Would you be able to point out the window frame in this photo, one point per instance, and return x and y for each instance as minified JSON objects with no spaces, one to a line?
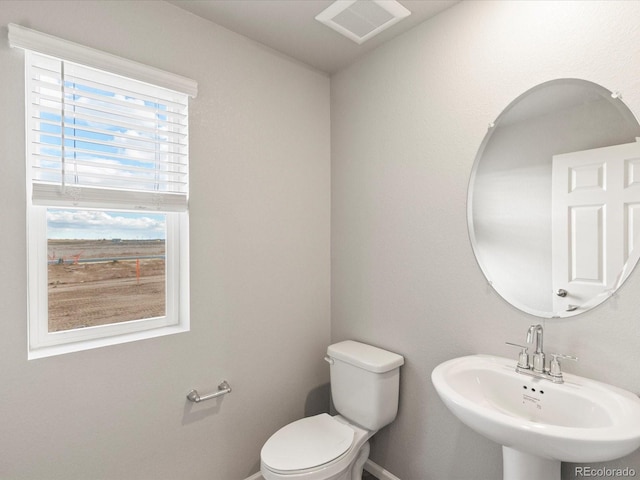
{"x":41,"y":342}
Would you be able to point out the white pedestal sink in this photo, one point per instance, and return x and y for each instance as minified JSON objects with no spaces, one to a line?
{"x":539,"y":423}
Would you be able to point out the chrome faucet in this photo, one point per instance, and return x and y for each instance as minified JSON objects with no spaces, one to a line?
{"x":537,"y":367}
{"x":534,"y":335}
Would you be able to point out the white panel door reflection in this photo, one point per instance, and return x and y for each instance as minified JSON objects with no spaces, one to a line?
{"x":595,"y":222}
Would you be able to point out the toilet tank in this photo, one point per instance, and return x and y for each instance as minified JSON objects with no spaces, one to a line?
{"x":365,"y":383}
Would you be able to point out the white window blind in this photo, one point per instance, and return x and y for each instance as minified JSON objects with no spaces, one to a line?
{"x":101,"y":140}
{"x":98,"y":139}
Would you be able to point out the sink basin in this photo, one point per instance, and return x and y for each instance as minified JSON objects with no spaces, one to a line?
{"x":580,"y":420}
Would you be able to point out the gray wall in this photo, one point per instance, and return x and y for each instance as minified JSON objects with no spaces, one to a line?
{"x":406,"y":123}
{"x":259,"y":266}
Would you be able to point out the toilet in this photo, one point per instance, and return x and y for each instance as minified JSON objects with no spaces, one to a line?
{"x":364,"y":388}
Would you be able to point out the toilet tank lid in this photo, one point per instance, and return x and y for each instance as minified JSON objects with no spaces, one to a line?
{"x":365,"y":356}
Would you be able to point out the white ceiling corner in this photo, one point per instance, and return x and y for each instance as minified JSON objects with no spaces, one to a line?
{"x":289,"y":26}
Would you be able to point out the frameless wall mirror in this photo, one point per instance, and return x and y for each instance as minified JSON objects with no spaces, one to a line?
{"x":554,"y":198}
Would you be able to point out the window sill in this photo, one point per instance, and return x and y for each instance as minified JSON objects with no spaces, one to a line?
{"x":49,"y":351}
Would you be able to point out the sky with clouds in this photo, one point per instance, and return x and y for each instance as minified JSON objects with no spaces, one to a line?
{"x":100,"y":224}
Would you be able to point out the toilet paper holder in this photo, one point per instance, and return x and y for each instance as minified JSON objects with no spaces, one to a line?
{"x":223,"y":389}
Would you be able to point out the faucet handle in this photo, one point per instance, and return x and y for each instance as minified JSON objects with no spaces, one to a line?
{"x":555,"y":369}
{"x":563,"y":356}
{"x":523,"y":358}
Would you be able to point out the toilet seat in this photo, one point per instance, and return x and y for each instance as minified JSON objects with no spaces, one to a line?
{"x":306,"y":444}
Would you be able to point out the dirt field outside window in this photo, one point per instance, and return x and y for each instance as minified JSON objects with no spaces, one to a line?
{"x":98,"y":282}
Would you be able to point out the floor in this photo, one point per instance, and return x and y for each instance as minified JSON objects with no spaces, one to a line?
{"x":367,"y":476}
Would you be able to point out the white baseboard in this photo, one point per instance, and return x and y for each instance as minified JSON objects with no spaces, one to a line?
{"x":378,"y":471}
{"x":369,"y":466}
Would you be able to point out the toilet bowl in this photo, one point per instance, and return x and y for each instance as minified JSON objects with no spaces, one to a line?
{"x":364,"y":388}
{"x":321,"y":447}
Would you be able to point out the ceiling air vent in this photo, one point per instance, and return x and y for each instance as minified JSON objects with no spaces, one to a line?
{"x":360,"y":20}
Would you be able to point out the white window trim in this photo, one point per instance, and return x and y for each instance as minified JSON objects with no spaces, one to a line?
{"x":27,"y":39}
{"x":41,"y":342}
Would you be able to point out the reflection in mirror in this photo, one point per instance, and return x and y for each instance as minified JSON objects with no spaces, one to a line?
{"x":554,"y":198}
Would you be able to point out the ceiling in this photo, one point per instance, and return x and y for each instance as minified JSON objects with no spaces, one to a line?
{"x":289,"y":26}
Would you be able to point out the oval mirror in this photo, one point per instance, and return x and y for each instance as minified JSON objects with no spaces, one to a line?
{"x":554,"y":198}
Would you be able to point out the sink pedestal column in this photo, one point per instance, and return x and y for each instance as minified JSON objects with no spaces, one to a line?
{"x":517,"y":465}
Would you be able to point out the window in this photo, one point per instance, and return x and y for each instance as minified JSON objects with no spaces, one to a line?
{"x":107,"y":188}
